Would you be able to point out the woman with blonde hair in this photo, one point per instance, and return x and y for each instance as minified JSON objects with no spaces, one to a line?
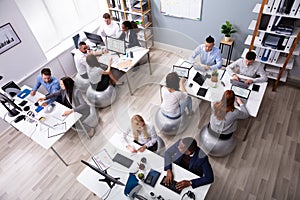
{"x":223,"y":120}
{"x":143,"y":134}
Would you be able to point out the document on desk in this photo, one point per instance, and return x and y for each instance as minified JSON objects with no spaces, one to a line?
{"x":124,"y":63}
{"x":102,"y":160}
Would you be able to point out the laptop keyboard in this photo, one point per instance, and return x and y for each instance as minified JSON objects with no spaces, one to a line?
{"x":239,"y":83}
{"x":172,"y":186}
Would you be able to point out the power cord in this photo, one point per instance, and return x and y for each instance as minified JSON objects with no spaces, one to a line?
{"x":190,"y":194}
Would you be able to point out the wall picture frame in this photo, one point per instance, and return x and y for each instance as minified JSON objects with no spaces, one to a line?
{"x":8,"y":38}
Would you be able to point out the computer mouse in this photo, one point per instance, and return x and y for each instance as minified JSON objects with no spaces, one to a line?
{"x":49,"y":108}
{"x":23,"y":103}
{"x":19,"y":118}
{"x":26,"y":108}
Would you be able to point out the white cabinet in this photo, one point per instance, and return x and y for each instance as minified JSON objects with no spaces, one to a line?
{"x":275,"y":34}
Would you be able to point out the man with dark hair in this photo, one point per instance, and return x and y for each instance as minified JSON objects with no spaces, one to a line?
{"x":80,"y":59}
{"x":109,"y":28}
{"x":210,"y":56}
{"x":50,"y":83}
{"x":248,"y":67}
{"x":188,"y":155}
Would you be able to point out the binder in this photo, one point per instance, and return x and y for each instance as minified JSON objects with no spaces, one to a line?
{"x":271,"y":56}
{"x":294,"y":8}
{"x":261,"y":52}
{"x":266,"y":55}
{"x":261,"y":37}
{"x":276,"y":6}
{"x":271,"y":23}
{"x":298,"y":12}
{"x":269,"y":6}
{"x":276,"y":56}
{"x":257,"y":51}
{"x":289,"y":44}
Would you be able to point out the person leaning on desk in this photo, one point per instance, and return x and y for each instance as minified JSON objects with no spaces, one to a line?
{"x":223,"y":120}
{"x":188,"y":155}
{"x":248,"y":67}
{"x":73,"y":99}
{"x":143,"y":134}
{"x":100,"y":78}
{"x":210,"y":56}
{"x":50,"y":83}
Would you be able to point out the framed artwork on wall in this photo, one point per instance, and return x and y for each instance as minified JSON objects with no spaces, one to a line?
{"x":8,"y":38}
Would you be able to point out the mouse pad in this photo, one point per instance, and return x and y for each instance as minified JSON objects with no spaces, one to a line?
{"x":202,"y":92}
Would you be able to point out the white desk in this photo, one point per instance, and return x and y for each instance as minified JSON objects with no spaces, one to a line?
{"x":215,"y":93}
{"x":138,"y":54}
{"x":89,"y":178}
{"x":36,"y":130}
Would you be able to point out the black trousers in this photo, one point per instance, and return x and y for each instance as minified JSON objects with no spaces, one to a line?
{"x":153,"y":148}
{"x":102,"y":85}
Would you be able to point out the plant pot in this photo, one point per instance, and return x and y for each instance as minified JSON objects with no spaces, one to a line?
{"x":227,"y":39}
{"x":214,"y":79}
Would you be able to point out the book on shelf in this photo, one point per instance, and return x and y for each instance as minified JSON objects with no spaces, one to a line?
{"x":102,"y":160}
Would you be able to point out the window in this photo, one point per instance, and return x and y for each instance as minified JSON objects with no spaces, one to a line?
{"x":53,"y":21}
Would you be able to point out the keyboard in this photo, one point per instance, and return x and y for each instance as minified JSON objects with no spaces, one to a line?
{"x":172,"y":186}
{"x":240,"y":84}
{"x":122,"y":160}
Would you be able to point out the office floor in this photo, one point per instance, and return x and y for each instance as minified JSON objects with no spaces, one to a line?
{"x":265,"y":166}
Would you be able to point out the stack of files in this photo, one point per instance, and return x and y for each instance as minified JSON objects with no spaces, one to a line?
{"x":283,"y":25}
{"x":137,"y":6}
{"x":273,"y":41}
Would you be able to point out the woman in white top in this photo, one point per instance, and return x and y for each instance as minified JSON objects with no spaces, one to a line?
{"x":99,"y":76}
{"x":141,"y":133}
{"x":175,"y":101}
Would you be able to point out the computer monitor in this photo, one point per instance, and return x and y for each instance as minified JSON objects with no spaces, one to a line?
{"x":94,"y":38}
{"x":11,"y":111}
{"x":111,"y":181}
{"x":116,"y":45}
{"x":76,"y":40}
{"x":11,"y":88}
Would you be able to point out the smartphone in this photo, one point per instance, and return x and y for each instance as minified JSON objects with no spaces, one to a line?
{"x":255,"y":87}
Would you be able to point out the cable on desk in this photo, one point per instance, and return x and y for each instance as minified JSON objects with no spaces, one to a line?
{"x":107,"y":194}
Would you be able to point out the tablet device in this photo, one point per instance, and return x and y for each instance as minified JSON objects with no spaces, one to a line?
{"x":199,"y":78}
{"x":241,"y":92}
{"x":255,"y":87}
{"x":202,"y":92}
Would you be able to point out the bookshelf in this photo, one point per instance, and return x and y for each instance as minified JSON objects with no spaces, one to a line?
{"x":275,"y":36}
{"x":134,"y":10}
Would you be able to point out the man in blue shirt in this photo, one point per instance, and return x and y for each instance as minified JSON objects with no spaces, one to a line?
{"x":210,"y":56}
{"x":188,"y":155}
{"x":51,"y":84}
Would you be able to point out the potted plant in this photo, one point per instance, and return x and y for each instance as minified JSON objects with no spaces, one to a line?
{"x":214,"y":76}
{"x":227,"y":29}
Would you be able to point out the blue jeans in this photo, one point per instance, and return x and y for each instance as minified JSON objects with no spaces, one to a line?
{"x":186,"y":104}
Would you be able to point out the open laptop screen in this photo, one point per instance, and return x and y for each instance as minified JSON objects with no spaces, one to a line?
{"x":241,"y":92}
{"x":181,"y":71}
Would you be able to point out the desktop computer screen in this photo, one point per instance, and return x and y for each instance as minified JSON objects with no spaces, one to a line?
{"x":94,"y":38}
{"x":116,"y":45}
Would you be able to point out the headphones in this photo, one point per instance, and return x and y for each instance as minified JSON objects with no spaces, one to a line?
{"x":190,"y":194}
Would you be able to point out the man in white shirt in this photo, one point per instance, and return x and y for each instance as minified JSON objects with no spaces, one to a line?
{"x":248,"y":67}
{"x":109,"y":28}
{"x":80,"y":59}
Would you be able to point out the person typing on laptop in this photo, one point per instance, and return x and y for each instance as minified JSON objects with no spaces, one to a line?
{"x":248,"y":67}
{"x":223,"y":120}
{"x":210,"y":56}
{"x":188,"y":155}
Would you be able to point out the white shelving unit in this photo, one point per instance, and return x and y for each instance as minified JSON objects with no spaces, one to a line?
{"x":134,"y":10}
{"x":275,"y":56}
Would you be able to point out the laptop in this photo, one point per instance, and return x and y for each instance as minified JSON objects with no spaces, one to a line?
{"x":182,"y":72}
{"x":243,"y":93}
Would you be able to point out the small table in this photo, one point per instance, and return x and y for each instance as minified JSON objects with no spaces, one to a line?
{"x":230,"y":44}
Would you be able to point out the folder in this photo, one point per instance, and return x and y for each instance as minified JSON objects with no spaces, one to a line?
{"x":261,"y":37}
{"x":271,"y":23}
{"x":275,"y":6}
{"x":289,"y":44}
{"x":298,"y":12}
{"x":271,"y":56}
{"x":266,"y":55}
{"x":276,"y":56}
{"x":269,"y":6}
{"x":261,"y":52}
{"x":295,"y":7}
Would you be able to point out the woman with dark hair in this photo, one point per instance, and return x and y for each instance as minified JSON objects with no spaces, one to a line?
{"x":129,"y":34}
{"x":100,"y":76}
{"x":223,"y":120}
{"x":143,"y":134}
{"x":175,"y":101}
{"x":72,"y":98}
